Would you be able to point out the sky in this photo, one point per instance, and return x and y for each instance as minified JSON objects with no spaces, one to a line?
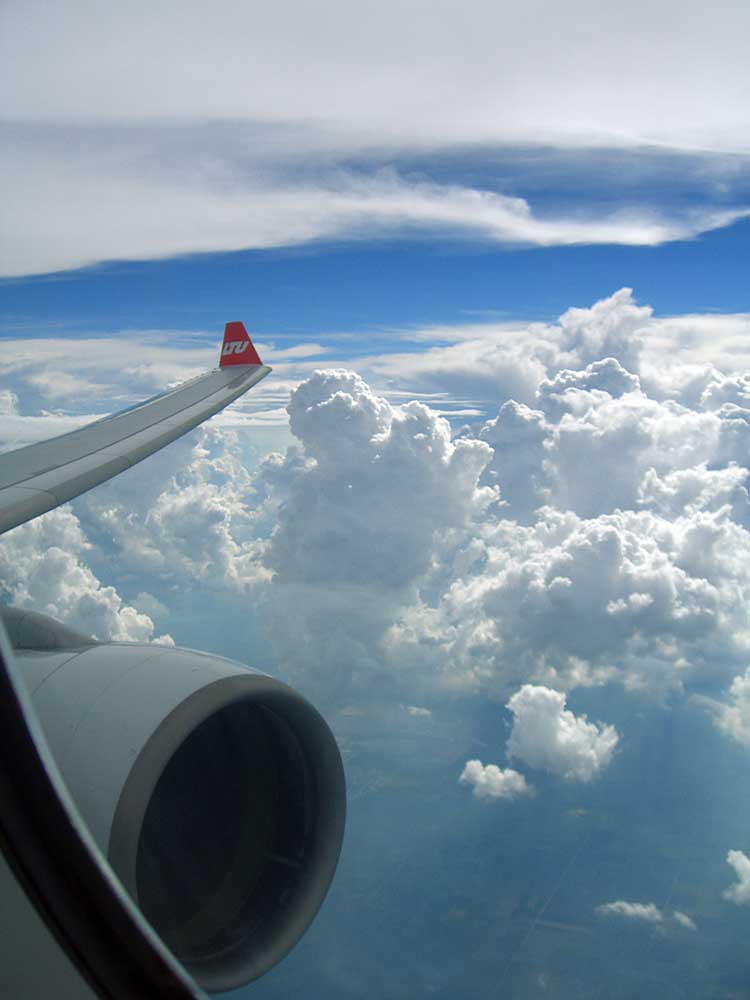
{"x":490,"y":510}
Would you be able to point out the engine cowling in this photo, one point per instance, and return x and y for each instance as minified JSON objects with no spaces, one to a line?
{"x":216,"y":792}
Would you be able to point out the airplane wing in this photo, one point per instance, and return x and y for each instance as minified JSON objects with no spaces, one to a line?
{"x":42,"y":476}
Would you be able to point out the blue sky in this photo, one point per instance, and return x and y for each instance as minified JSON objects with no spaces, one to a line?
{"x":491,"y":509}
{"x":370,"y":288}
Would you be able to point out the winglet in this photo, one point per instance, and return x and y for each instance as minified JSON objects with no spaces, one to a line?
{"x":237,"y":348}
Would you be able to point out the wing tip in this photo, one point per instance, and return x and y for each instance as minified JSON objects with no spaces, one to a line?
{"x":237,"y":347}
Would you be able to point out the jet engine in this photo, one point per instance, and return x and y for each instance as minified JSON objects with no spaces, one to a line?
{"x":216,"y":792}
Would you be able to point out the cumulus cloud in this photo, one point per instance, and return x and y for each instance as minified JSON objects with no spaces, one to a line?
{"x":185,"y":515}
{"x":652,"y":602}
{"x":519,"y":439}
{"x":688,"y":491}
{"x":739,"y":892}
{"x":364,"y":512}
{"x":548,"y":736}
{"x":584,"y":534}
{"x":8,"y":402}
{"x":505,"y":361}
{"x":609,"y":329}
{"x":597,"y":535}
{"x":60,"y":385}
{"x":625,"y":436}
{"x":489,"y":781}
{"x":43,"y":567}
{"x":646,"y":912}
{"x":683,"y":356}
{"x":574,"y":391}
{"x":613,"y":348}
{"x":734,"y":718}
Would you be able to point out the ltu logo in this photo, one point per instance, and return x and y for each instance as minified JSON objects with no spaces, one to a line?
{"x":235,"y":347}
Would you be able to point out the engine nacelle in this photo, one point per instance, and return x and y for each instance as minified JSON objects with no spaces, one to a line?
{"x":216,"y":792}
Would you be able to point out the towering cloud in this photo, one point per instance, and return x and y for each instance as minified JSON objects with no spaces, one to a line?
{"x":382,"y":491}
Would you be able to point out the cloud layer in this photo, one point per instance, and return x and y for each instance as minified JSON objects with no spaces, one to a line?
{"x":57,"y":191}
{"x":274,"y":128}
{"x":593,"y":531}
{"x":399,"y":72}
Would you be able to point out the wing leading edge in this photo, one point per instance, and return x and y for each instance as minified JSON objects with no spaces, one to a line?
{"x":42,"y":476}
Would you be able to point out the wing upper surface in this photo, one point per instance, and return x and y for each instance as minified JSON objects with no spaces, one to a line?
{"x":42,"y":476}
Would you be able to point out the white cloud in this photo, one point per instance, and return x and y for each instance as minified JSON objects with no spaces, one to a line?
{"x":18,"y":431}
{"x":578,"y":362}
{"x":491,"y":782}
{"x":611,"y":328}
{"x":685,"y":492}
{"x":184,"y":515}
{"x":493,"y":367}
{"x":684,"y":356}
{"x":419,"y":713}
{"x":573,"y":391}
{"x":722,"y":389}
{"x":8,"y":402}
{"x":548,"y":736}
{"x":122,"y":144}
{"x":42,"y":566}
{"x":200,"y":212}
{"x":630,"y":596}
{"x":157,"y":357}
{"x":393,"y":563}
{"x":404,"y":73}
{"x":519,"y":437}
{"x":505,"y":361}
{"x":57,"y":385}
{"x":734,"y":718}
{"x":739,"y":892}
{"x":362,"y":515}
{"x":150,"y":605}
{"x":626,"y":437}
{"x":647,"y":912}
{"x":684,"y":920}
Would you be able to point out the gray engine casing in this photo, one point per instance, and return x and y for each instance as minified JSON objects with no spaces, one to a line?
{"x":216,"y":792}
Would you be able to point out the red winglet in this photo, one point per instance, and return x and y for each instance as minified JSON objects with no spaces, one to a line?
{"x":237,"y":348}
